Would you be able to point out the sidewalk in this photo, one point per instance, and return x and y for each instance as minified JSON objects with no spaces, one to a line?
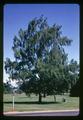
{"x":17,"y":112}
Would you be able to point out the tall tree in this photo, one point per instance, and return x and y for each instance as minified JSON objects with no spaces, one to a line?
{"x":39,"y":50}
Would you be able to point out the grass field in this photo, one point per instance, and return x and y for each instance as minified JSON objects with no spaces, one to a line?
{"x":24,"y":103}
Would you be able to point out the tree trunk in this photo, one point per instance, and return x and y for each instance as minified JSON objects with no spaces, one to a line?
{"x":29,"y":95}
{"x":40,"y":98}
{"x":44,"y":95}
{"x":36,"y":94}
{"x":54,"y":98}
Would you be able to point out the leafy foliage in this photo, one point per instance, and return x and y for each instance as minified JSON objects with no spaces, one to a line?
{"x":39,"y":50}
{"x":7,"y":87}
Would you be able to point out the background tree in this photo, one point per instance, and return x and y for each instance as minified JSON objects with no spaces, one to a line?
{"x":75,"y":90}
{"x":7,"y":88}
{"x":73,"y":72}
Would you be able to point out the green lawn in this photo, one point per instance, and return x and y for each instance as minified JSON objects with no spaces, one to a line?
{"x":30,"y":104}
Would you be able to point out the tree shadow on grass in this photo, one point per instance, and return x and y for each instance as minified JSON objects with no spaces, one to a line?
{"x":33,"y":102}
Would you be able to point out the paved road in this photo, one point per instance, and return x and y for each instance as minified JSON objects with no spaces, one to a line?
{"x":52,"y":113}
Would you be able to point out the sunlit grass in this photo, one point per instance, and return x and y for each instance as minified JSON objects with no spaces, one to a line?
{"x":71,"y":103}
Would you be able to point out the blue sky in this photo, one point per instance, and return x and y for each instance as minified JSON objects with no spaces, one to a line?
{"x":17,"y":16}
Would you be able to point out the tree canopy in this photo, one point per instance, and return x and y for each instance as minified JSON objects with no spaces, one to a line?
{"x":40,"y":59}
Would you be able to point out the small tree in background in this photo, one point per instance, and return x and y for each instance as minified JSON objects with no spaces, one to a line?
{"x":7,"y":88}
